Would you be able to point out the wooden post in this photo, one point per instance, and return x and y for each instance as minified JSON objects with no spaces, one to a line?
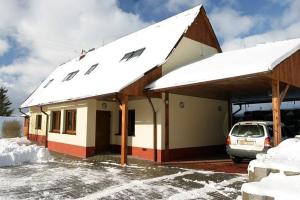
{"x":230,"y":119}
{"x":124,"y":109}
{"x":276,"y":100}
{"x":166,"y":155}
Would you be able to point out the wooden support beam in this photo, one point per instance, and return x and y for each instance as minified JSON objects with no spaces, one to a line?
{"x":230,"y":119}
{"x":166,"y":155}
{"x":284,"y":92}
{"x":276,"y":101}
{"x":124,"y":109}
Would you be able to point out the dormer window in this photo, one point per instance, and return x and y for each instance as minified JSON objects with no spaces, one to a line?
{"x":70,"y":76}
{"x":48,"y":83}
{"x":133,"y":54}
{"x":91,"y":69}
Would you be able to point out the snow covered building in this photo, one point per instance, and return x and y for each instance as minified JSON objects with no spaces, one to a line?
{"x":98,"y":101}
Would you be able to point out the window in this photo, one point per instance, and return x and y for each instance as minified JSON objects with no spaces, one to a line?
{"x":38,"y":122}
{"x":127,"y":56}
{"x":70,"y":76}
{"x":70,"y":127}
{"x":48,"y":83}
{"x":131,"y":122}
{"x":133,"y":54}
{"x":91,"y":69}
{"x":248,"y":131}
{"x":56,"y":121}
{"x":139,"y":52}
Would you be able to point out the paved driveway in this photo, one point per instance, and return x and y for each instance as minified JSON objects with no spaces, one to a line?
{"x":101,"y":177}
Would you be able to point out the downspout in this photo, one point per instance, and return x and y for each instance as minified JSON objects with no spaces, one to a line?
{"x":20,"y":110}
{"x":47,"y":121}
{"x":154,"y":129}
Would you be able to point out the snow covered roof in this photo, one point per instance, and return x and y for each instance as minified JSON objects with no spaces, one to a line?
{"x":113,"y":74}
{"x":258,"y":59}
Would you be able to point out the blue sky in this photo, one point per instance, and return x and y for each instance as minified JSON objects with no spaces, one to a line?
{"x":36,"y":36}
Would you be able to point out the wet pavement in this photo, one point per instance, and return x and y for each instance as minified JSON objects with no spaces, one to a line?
{"x":101,"y":177}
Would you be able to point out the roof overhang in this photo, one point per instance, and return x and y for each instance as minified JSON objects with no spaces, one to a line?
{"x":229,"y":76}
{"x":255,"y":88}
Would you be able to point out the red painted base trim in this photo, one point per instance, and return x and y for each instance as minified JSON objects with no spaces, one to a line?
{"x":40,"y":139}
{"x":144,"y":153}
{"x":173,"y":154}
{"x":73,"y":150}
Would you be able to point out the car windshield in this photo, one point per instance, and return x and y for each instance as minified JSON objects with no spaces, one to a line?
{"x":246,"y":130}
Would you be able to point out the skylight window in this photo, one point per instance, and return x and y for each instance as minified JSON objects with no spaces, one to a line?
{"x":48,"y":83}
{"x":133,"y":54}
{"x":91,"y":69}
{"x":70,"y":75}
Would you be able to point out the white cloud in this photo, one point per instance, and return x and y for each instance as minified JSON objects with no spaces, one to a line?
{"x":4,"y":46}
{"x":292,"y":31}
{"x":229,"y":23}
{"x":178,"y":5}
{"x":54,"y":32}
{"x":285,"y":26}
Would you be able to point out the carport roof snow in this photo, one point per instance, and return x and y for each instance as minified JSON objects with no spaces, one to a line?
{"x":258,"y":59}
{"x":113,"y":75}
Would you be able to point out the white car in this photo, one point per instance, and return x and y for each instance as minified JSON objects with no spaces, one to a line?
{"x":248,"y":138}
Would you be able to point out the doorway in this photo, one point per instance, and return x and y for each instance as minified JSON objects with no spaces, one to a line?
{"x":102,"y":142}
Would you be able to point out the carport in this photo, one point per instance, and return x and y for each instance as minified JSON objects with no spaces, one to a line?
{"x":265,"y":73}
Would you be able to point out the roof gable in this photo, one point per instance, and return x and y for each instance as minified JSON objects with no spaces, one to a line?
{"x":202,"y":31}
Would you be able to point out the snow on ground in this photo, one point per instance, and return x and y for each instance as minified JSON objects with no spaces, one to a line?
{"x":103,"y":178}
{"x":285,"y":184}
{"x":286,"y":157}
{"x":18,"y":151}
{"x":278,"y":186}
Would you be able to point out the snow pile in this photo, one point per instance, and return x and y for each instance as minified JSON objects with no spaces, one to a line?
{"x":17,"y":151}
{"x":278,"y":185}
{"x":284,"y":157}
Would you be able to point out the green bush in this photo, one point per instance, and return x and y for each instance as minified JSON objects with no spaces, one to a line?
{"x":11,"y":129}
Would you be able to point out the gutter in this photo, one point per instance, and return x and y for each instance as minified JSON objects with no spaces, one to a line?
{"x":154,"y":129}
{"x":47,"y":121}
{"x":20,"y":110}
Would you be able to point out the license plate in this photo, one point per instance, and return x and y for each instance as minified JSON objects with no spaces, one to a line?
{"x":246,"y":142}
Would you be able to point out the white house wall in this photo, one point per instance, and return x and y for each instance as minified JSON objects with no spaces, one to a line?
{"x":32,"y":130}
{"x":186,"y":52}
{"x":201,"y":122}
{"x":79,"y":139}
{"x":143,"y":123}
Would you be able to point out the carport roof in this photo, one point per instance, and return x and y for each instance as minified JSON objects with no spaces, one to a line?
{"x":232,"y":64}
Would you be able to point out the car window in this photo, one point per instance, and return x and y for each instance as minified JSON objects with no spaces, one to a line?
{"x":245,"y":130}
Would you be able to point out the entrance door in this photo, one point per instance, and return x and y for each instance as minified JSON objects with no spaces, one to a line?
{"x":102,"y":131}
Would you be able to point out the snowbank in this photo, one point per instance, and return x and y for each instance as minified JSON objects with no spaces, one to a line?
{"x":278,"y":185}
{"x":18,"y":151}
{"x":284,"y":157}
